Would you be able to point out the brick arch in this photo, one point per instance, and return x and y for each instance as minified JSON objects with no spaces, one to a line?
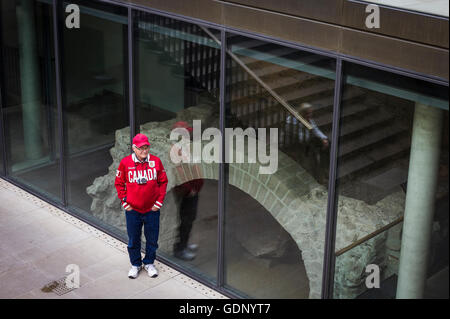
{"x":286,"y":194}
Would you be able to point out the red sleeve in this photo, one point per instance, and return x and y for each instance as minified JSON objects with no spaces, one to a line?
{"x":121,"y":184}
{"x":162,"y":182}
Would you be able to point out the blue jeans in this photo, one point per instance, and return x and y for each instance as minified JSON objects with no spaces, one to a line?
{"x":150,"y":221}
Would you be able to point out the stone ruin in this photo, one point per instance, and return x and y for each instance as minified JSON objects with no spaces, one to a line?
{"x":291,"y":195}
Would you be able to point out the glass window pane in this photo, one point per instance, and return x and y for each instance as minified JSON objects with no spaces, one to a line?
{"x":376,"y":163}
{"x":29,"y":109}
{"x":2,"y":171}
{"x":96,"y":110}
{"x":280,"y":107}
{"x":177,"y":86}
{"x":2,"y":149}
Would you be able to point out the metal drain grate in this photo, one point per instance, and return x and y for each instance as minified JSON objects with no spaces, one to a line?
{"x":59,"y":287}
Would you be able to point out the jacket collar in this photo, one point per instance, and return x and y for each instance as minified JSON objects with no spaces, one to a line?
{"x":136,"y":160}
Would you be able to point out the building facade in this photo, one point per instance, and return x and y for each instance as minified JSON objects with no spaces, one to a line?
{"x":318,"y":161}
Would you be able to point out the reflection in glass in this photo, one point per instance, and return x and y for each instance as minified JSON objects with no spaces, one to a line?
{"x":374,"y":165}
{"x":275,"y":223}
{"x":177,"y":82}
{"x":2,"y":171}
{"x":29,"y":107}
{"x":95,"y":107}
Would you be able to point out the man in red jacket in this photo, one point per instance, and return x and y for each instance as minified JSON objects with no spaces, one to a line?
{"x":141,"y":183}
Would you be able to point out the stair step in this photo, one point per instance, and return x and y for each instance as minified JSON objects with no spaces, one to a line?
{"x":279,"y":113}
{"x":282,"y":79}
{"x":360,"y":124}
{"x":280,"y":83}
{"x":300,"y":93}
{"x":286,"y":59}
{"x":364,"y":140}
{"x":274,"y":81}
{"x":386,"y":179}
{"x":381,"y":153}
{"x":323,"y":103}
{"x":245,"y":111}
{"x":354,"y":164}
{"x":270,"y":69}
{"x":290,"y":98}
{"x":327,"y":118}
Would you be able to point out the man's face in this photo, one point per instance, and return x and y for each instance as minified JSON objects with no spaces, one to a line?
{"x":141,"y":152}
{"x":306,"y":114}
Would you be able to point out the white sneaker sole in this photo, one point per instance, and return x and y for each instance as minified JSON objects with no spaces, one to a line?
{"x":152,"y":276}
{"x":131,"y":277}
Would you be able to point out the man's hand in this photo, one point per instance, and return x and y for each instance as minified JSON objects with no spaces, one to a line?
{"x":192,"y":193}
{"x":129,"y":208}
{"x":325,"y":143}
{"x":154,"y":208}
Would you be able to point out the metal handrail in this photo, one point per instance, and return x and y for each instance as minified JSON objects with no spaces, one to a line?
{"x":289,"y":108}
{"x":370,"y":236}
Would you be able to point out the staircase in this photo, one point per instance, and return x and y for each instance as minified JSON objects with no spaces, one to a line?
{"x":103,"y":112}
{"x":371,"y":137}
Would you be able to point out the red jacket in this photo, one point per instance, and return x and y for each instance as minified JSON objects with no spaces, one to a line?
{"x":193,"y":186}
{"x":141,"y":197}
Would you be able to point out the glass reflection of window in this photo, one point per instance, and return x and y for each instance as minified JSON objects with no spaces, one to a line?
{"x":177,"y":78}
{"x":395,"y":124}
{"x":29,"y":107}
{"x":275,"y":87}
{"x":95,"y":107}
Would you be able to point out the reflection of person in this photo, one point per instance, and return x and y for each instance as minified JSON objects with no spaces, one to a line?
{"x":308,"y":141}
{"x":186,"y":196}
{"x":187,"y":199}
{"x":141,"y":184}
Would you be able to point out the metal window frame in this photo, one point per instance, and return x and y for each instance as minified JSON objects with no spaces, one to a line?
{"x":131,"y":93}
{"x":7,"y":175}
{"x":58,"y":47}
{"x":2,"y":97}
{"x":330,"y":236}
{"x":223,"y":168}
{"x":331,"y":216}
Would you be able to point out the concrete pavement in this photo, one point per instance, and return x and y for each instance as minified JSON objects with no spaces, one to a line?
{"x":38,"y":241}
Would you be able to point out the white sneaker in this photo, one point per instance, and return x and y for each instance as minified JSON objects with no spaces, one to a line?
{"x":151,"y":270}
{"x":134,"y":271}
{"x":192,"y":247}
{"x":185,"y":254}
